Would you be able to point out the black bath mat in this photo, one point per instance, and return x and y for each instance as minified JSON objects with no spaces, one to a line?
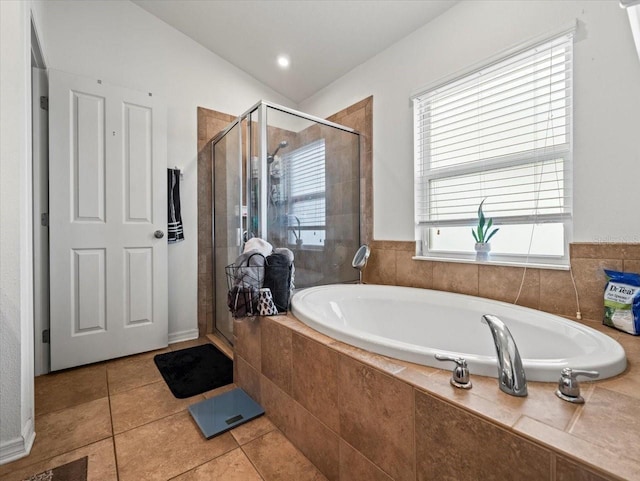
{"x":195,"y":370}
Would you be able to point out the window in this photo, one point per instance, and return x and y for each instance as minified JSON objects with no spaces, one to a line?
{"x":501,"y":133}
{"x":305,"y":177}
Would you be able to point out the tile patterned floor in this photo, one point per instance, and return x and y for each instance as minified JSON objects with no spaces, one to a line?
{"x":122,"y":416}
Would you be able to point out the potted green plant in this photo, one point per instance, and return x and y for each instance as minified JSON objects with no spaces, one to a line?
{"x":482,"y":235}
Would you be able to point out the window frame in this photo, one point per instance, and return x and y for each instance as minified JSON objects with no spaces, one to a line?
{"x":423,"y":174}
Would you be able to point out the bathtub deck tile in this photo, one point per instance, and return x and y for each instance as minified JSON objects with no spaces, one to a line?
{"x":317,"y":442}
{"x":247,"y":378}
{"x":383,"y":363}
{"x":494,"y":410}
{"x":375,"y":407}
{"x":301,"y":328}
{"x":569,"y":471}
{"x":609,"y":419}
{"x":314,"y":380}
{"x":485,"y":450}
{"x":248,"y":340}
{"x":614,"y":462}
{"x":355,"y":467}
{"x":277,"y":405}
{"x":276,"y":353}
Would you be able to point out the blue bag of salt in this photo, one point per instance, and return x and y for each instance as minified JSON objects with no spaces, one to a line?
{"x":622,"y":301}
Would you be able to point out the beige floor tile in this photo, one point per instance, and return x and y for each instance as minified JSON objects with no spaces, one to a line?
{"x":101,"y":465}
{"x":278,"y":460}
{"x":132,"y":372}
{"x":65,"y":430}
{"x":69,"y":388}
{"x":142,"y":405}
{"x":253,"y":429}
{"x":233,"y":466}
{"x":166,"y":448}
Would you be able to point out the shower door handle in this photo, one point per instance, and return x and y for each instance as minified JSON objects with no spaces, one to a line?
{"x":158,"y":234}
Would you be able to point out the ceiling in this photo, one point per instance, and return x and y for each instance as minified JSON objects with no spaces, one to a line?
{"x":324,"y":39}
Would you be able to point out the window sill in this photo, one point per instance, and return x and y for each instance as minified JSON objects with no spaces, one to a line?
{"x":534,"y":265}
{"x":305,"y":247}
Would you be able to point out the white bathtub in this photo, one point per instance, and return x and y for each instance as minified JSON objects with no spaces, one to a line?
{"x":414,"y":324}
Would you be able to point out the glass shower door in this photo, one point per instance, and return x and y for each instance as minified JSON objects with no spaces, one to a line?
{"x":227,"y":219}
{"x":293,"y":180}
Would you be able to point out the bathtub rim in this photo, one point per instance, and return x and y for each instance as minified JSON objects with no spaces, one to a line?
{"x":542,"y":370}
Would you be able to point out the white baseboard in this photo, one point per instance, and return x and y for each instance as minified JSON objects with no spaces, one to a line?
{"x":180,"y":336}
{"x":19,"y":447}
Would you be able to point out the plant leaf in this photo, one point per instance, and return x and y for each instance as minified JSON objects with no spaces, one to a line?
{"x":474,"y":235}
{"x":492,"y":234}
{"x":480,"y":208}
{"x":481,"y":229}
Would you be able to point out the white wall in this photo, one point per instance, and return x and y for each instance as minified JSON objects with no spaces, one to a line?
{"x":16,"y":295}
{"x":121,"y":43}
{"x":606,"y":98}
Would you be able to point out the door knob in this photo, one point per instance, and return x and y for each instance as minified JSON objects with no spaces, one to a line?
{"x":158,"y":234}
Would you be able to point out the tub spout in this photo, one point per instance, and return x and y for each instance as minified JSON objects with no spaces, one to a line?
{"x":511,"y":377}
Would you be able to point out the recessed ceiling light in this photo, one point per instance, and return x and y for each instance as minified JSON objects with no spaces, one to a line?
{"x":283,"y":61}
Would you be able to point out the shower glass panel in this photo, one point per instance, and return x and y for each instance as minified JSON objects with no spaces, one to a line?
{"x":227,"y":192}
{"x":300,"y":189}
{"x":313,"y":196}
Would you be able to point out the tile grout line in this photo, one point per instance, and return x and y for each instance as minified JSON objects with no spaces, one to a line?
{"x":113,"y":435}
{"x":45,"y":460}
{"x":262,"y":476}
{"x":156,"y":419}
{"x":373,"y":463}
{"x":206,"y":462}
{"x":415,"y":437}
{"x":251,"y":461}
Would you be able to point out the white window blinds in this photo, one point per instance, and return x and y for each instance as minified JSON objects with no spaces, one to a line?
{"x":502,"y":133}
{"x":305,"y":174}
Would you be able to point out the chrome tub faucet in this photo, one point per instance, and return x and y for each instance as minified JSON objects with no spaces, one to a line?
{"x":511,"y":377}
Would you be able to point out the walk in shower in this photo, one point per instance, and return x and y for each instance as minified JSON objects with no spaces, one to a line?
{"x":293,"y":180}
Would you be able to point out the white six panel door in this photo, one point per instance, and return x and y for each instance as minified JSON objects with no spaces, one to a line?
{"x":108,"y":195}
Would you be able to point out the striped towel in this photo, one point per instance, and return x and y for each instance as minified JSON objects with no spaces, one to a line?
{"x":176,"y":233}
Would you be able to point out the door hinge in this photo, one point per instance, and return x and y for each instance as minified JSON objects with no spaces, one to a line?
{"x":44,"y":103}
{"x":45,"y":336}
{"x":44,"y":219}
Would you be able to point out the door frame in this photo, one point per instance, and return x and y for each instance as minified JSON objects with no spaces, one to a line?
{"x":40,"y":198}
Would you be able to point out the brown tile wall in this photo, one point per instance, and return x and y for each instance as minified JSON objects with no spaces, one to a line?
{"x":548,"y":290}
{"x":359,"y":116}
{"x":359,"y":416}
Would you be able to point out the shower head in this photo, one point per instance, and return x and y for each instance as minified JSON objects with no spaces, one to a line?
{"x":281,"y":145}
